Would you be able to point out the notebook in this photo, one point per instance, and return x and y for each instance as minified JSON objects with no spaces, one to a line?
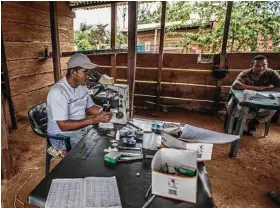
{"x":90,"y":192}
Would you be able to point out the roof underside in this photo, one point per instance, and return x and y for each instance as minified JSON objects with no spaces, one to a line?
{"x":92,"y":4}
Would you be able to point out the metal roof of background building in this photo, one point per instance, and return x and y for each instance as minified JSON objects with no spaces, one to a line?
{"x":93,"y":4}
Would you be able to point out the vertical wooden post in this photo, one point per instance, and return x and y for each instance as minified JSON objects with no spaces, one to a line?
{"x":223,"y":56}
{"x":160,"y":55}
{"x":7,"y":83}
{"x":132,"y":45}
{"x":113,"y":38}
{"x":225,"y":35}
{"x":55,"y":41}
{"x":6,"y":159}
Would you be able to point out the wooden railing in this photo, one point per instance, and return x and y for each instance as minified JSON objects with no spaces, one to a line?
{"x":185,"y":83}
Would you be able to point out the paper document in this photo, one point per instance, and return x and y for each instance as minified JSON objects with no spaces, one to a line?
{"x":91,"y":192}
{"x":101,"y":192}
{"x":267,"y":95}
{"x":65,"y":193}
{"x":195,"y":134}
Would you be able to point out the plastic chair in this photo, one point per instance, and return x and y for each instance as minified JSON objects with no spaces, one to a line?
{"x":266,"y":127}
{"x":38,"y":119}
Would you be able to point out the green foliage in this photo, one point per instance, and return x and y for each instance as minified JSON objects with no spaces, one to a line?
{"x":145,"y":15}
{"x":90,"y":37}
{"x":255,"y":26}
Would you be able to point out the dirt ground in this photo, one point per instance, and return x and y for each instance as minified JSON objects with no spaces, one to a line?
{"x":241,"y":182}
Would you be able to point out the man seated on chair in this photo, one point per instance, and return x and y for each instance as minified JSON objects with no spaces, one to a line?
{"x":68,"y":102}
{"x":259,"y":77}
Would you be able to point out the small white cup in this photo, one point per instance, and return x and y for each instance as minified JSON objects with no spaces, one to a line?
{"x":147,"y":136}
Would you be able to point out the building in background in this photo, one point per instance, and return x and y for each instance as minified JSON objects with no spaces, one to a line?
{"x":148,"y":36}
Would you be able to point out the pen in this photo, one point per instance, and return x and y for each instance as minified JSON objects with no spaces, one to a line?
{"x":149,"y":201}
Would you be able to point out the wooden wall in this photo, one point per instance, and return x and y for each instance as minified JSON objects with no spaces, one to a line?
{"x":26,"y":32}
{"x":185,"y":83}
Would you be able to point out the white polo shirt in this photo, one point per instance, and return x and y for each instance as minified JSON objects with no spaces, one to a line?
{"x":66,"y":103}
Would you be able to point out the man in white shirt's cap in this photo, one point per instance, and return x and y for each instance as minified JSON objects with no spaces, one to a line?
{"x":68,"y":103}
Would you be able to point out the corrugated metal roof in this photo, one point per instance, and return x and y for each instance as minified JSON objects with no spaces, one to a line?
{"x":92,"y":4}
{"x":152,"y":26}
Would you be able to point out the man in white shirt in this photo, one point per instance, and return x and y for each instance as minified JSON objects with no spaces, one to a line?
{"x":71,"y":111}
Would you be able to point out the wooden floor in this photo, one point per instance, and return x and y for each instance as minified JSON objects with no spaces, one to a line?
{"x":242,"y":182}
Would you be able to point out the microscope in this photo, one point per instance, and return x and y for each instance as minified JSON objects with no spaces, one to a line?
{"x":110,"y":96}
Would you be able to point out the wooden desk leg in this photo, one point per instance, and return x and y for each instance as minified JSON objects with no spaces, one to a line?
{"x":239,"y":131}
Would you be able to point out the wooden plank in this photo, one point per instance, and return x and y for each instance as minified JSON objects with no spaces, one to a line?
{"x":131,"y":56}
{"x":183,"y":61}
{"x":22,"y":119}
{"x":113,"y":24}
{"x":147,"y":60}
{"x":26,"y":50}
{"x":140,"y":100}
{"x":55,"y":41}
{"x":189,"y":61}
{"x":63,"y":8}
{"x":113,"y":38}
{"x":36,"y":81}
{"x":6,"y":159}
{"x":160,"y":55}
{"x":13,"y":12}
{"x":103,"y":60}
{"x":143,"y":60}
{"x":144,"y":74}
{"x":194,"y":105}
{"x":29,"y":67}
{"x":243,"y":60}
{"x":34,"y":97}
{"x":17,"y":32}
{"x":225,"y":34}
{"x":6,"y":80}
{"x":102,"y":70}
{"x":113,"y":72}
{"x":201,"y":92}
{"x":7,"y":114}
{"x":190,"y":76}
{"x":122,"y":59}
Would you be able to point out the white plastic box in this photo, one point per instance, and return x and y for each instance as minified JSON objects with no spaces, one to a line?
{"x":204,"y":151}
{"x":171,"y":186}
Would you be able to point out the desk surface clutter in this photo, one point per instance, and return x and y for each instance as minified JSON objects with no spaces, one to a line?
{"x":84,"y":170}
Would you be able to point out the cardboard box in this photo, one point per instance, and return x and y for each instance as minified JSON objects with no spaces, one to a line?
{"x":182,"y":188}
{"x":168,"y":139}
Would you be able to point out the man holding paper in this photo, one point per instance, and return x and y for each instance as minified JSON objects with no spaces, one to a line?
{"x":260,"y":78}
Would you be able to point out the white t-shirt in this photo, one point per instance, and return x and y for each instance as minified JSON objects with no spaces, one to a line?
{"x":66,"y":103}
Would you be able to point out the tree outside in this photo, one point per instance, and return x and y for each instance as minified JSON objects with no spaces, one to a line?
{"x":95,"y":37}
{"x":255,"y":26}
